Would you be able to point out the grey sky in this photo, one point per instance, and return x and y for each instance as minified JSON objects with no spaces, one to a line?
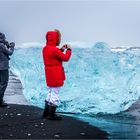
{"x":112,"y":21}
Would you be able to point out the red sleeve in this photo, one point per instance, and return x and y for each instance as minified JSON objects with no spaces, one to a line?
{"x":60,"y":55}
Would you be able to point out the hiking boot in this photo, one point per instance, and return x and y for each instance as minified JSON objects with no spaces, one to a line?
{"x":3,"y":104}
{"x":52,"y":115}
{"x":46,"y":110}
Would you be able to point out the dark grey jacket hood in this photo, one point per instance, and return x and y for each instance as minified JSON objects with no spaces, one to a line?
{"x":2,"y":37}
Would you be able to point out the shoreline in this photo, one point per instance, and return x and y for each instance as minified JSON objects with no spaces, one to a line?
{"x":21,"y":120}
{"x":26,"y":122}
{"x":124,"y":125}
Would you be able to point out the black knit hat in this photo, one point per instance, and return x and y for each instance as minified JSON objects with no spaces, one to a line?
{"x":2,"y":37}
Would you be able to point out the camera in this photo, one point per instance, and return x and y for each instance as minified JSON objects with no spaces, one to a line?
{"x":9,"y":45}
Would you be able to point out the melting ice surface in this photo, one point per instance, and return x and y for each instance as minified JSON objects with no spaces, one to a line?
{"x":98,"y":79}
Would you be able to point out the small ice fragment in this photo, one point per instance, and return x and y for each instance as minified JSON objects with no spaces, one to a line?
{"x":36,"y":125}
{"x":29,"y":134}
{"x":82,"y":133}
{"x":57,"y":136}
{"x":11,"y":135}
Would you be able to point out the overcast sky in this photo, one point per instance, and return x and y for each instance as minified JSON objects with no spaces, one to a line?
{"x":116,"y":22}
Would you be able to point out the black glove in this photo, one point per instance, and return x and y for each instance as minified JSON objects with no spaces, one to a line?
{"x":12,"y":44}
{"x":6,"y":43}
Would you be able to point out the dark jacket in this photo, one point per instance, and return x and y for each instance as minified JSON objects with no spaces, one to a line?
{"x":4,"y":56}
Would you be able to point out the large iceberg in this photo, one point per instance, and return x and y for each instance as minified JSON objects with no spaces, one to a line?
{"x":98,"y":80}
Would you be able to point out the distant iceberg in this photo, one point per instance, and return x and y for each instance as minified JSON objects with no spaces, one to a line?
{"x":98,"y":79}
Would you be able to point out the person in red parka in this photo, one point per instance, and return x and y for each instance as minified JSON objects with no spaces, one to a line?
{"x":53,"y":58}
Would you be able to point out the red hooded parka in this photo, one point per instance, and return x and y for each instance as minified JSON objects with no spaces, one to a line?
{"x":53,"y":58}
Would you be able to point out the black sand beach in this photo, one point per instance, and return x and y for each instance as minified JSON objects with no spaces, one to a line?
{"x":25,"y":122}
{"x":20,"y":120}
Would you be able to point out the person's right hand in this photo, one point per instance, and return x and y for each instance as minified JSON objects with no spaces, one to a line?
{"x":68,"y":47}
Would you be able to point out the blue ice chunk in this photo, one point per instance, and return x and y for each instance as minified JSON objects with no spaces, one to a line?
{"x":98,"y":80}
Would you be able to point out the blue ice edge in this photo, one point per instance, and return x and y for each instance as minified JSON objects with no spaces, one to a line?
{"x":118,"y":126}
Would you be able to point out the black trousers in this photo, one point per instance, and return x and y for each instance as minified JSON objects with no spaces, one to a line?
{"x":4,"y":77}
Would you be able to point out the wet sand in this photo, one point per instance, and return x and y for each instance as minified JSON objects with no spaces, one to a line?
{"x":14,"y":91}
{"x":124,"y":125}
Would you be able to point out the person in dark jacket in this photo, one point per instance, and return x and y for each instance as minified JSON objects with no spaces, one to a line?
{"x":54,"y":71}
{"x":6,"y":49}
